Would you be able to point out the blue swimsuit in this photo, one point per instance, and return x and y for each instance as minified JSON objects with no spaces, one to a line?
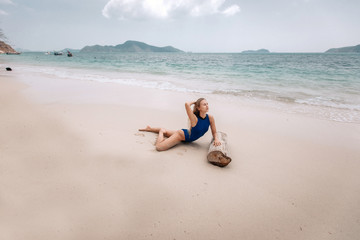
{"x":201,"y":127}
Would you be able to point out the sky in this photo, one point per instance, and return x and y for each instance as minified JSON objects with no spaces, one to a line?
{"x":190,"y":25}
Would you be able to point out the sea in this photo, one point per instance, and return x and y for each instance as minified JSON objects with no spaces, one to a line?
{"x":324,"y":85}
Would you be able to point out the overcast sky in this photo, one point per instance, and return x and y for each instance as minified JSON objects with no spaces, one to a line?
{"x":197,"y":25}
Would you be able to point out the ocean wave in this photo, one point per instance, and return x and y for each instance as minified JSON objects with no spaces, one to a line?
{"x":328,"y":102}
{"x":129,"y":79}
{"x":291,"y":98}
{"x":257,"y":94}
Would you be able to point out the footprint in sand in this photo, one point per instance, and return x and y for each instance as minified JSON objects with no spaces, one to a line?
{"x":139,"y":135}
{"x":184,"y":150}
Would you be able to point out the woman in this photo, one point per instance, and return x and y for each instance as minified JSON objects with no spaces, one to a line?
{"x":199,"y":121}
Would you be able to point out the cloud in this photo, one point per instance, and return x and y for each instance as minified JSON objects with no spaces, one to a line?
{"x":6,"y":2}
{"x":3,"y":13}
{"x":234,"y":9}
{"x":164,"y":9}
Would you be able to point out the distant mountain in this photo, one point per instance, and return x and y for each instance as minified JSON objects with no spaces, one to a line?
{"x":129,"y":46}
{"x":256,"y":51}
{"x":353,"y":49}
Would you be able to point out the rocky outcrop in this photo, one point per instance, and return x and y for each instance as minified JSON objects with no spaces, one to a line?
{"x":5,"y":48}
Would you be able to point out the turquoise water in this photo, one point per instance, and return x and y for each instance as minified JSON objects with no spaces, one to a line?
{"x":299,"y":82}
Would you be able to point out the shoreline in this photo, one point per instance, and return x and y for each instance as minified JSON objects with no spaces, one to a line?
{"x":311,"y":106}
{"x":74,"y":165}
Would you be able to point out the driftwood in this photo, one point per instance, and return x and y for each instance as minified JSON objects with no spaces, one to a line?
{"x":219,"y":155}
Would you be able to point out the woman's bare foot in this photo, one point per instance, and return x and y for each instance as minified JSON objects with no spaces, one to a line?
{"x":147,"y":129}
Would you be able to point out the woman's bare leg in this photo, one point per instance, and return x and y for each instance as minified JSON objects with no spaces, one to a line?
{"x":161,"y":137}
{"x":163,"y":144}
{"x":150,"y":129}
{"x":167,"y":133}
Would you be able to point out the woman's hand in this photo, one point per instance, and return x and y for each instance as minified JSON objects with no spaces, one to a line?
{"x":217,"y":143}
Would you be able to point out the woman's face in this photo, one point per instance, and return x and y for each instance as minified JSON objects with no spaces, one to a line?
{"x":204,"y":106}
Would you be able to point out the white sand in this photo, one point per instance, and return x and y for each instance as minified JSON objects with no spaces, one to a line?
{"x":74,"y":166}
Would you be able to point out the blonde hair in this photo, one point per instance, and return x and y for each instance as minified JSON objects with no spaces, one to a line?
{"x":195,"y":111}
{"x":197,"y":105}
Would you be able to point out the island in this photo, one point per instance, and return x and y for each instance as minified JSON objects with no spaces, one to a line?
{"x":256,"y":51}
{"x":352,"y":49}
{"x":129,"y":46}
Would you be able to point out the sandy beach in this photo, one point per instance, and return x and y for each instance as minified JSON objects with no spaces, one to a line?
{"x":73,"y":165}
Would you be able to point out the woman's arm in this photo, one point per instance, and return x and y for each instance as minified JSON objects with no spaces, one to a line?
{"x":190,"y":113}
{"x":213,"y":131}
